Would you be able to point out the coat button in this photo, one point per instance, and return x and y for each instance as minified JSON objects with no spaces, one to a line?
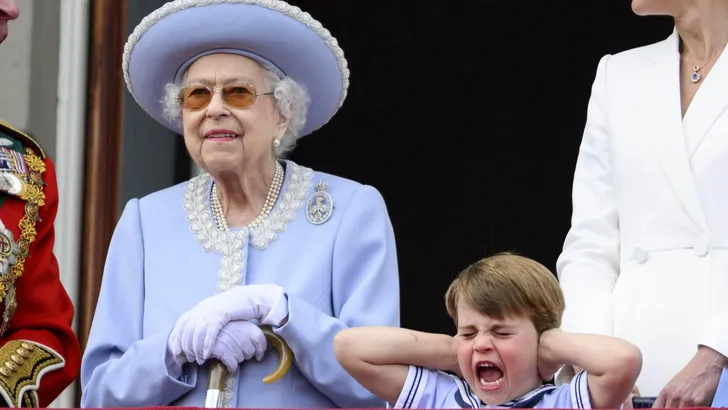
{"x":701,"y":247}
{"x":640,"y":255}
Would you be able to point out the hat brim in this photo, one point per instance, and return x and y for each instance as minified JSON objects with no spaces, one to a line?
{"x":170,"y":38}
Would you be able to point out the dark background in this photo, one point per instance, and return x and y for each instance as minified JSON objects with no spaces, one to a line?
{"x":466,"y":115}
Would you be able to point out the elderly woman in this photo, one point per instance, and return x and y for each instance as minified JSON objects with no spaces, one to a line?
{"x":195,"y":269}
{"x":646,"y":258}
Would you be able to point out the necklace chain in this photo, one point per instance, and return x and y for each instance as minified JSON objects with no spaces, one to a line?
{"x":695,"y":76}
{"x":270,"y":200}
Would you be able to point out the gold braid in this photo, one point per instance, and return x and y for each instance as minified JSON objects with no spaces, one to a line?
{"x":35,"y":198}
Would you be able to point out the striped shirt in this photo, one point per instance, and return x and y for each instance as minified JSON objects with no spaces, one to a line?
{"x":432,"y":389}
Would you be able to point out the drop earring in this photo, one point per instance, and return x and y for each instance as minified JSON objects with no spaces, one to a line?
{"x":276,"y":142}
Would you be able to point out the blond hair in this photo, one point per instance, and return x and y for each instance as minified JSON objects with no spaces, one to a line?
{"x":508,"y":285}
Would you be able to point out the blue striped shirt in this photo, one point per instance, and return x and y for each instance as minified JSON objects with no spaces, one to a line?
{"x":432,"y":389}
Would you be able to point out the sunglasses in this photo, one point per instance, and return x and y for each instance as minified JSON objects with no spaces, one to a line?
{"x":236,"y":95}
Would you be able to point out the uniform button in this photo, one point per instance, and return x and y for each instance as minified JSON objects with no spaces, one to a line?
{"x":701,"y":246}
{"x":640,"y":255}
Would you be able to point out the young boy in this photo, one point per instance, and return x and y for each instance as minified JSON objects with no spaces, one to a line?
{"x":507,"y":310}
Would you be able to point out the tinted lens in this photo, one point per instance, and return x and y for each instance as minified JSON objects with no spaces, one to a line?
{"x":238,"y":95}
{"x":195,"y":97}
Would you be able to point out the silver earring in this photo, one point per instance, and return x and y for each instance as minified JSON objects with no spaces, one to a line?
{"x":276,"y":142}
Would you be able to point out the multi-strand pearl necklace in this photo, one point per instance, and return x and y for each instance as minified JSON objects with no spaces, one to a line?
{"x":270,"y":201}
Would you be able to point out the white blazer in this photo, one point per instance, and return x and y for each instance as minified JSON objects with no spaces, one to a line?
{"x":646,"y":258}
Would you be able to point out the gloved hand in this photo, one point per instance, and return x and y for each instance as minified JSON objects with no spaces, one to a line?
{"x":174,"y":362}
{"x":239,"y":341}
{"x":196,"y":330}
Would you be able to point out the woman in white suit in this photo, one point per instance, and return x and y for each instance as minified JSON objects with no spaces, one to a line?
{"x":646,"y":258}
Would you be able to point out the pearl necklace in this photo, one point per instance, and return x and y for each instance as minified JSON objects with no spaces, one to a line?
{"x":273,"y":193}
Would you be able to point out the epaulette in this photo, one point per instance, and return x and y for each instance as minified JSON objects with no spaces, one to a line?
{"x":25,"y":139}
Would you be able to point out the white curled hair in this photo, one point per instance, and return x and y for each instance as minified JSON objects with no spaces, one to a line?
{"x":292,"y":101}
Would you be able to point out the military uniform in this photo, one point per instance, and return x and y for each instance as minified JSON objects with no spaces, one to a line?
{"x":39,"y":352}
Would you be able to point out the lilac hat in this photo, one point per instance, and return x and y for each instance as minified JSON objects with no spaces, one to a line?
{"x":279,"y":36}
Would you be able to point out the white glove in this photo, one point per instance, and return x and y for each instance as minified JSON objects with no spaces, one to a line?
{"x":239,"y":341}
{"x":197,"y":329}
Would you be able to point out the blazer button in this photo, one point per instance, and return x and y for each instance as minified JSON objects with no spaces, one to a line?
{"x":701,"y":246}
{"x":640,"y":255}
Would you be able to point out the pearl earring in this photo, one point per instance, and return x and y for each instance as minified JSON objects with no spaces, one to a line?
{"x":276,"y":142}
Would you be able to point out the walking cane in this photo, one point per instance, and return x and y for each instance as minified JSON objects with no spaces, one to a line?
{"x":218,"y":371}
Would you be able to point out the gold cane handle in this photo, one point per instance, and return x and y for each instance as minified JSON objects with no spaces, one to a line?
{"x":218,"y":371}
{"x":285,"y":355}
{"x":216,"y":384}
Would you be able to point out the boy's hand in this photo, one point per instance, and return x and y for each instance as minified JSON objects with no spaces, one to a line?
{"x":455,"y":365}
{"x":547,"y":365}
{"x":613,"y":364}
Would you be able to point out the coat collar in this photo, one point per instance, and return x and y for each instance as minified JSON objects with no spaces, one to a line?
{"x":663,"y":115}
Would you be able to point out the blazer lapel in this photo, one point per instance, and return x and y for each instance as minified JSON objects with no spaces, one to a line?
{"x":664,"y":124}
{"x":709,"y":103}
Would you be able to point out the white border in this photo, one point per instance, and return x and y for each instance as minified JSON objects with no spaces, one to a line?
{"x":69,"y":158}
{"x":33,"y":387}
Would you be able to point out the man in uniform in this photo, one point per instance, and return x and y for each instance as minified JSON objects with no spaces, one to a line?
{"x":39,"y":352}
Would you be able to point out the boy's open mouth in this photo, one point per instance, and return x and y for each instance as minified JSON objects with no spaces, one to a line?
{"x":488,"y":375}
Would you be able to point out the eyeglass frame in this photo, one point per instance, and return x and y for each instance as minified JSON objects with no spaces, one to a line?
{"x":214,"y":91}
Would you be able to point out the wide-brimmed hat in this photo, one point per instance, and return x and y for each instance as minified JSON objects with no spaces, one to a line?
{"x":281,"y":37}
